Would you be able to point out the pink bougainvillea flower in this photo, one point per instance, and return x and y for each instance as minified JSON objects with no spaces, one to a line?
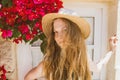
{"x":59,"y":4}
{"x":29,"y":11}
{"x":23,"y":18}
{"x":34,"y":31}
{"x":23,"y":28}
{"x":22,"y":14}
{"x":18,"y":9}
{"x":18,"y":40}
{"x":37,"y":24}
{"x":40,"y":27}
{"x":28,"y":36}
{"x":9,"y":33}
{"x":6,"y":33}
{"x":10,"y":20}
{"x":3,"y":75}
{"x":3,"y":69}
{"x":30,"y":5}
{"x":0,"y":6}
{"x":1,"y":14}
{"x":42,"y":13}
{"x":32,"y":16}
{"x":38,"y":1}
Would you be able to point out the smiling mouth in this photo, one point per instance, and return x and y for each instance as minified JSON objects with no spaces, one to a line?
{"x":60,"y":41}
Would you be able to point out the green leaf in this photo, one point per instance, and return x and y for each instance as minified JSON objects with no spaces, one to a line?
{"x":16,"y":33}
{"x":24,"y":38}
{"x":10,"y":3}
{"x":34,"y":39}
{"x":42,"y":36}
{"x":43,"y":46}
{"x":1,"y":26}
{"x":6,"y":3}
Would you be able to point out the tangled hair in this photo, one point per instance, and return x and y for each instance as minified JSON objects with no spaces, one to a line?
{"x":69,"y":63}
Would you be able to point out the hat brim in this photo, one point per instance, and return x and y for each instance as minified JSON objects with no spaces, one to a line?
{"x":82,"y":23}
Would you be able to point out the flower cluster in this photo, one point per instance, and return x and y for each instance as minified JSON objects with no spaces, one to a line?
{"x":2,"y":73}
{"x":21,"y":19}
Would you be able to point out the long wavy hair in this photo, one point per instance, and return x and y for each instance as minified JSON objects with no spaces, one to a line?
{"x":69,"y":63}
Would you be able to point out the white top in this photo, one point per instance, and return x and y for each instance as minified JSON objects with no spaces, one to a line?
{"x":96,"y":67}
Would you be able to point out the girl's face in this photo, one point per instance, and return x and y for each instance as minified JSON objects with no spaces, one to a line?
{"x":60,"y":31}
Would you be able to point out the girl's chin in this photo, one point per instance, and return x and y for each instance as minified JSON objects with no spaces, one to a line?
{"x":62,"y":46}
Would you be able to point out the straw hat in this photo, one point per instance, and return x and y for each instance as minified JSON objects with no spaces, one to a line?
{"x":68,"y":14}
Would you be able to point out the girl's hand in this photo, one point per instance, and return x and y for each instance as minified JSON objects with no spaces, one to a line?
{"x":113,"y":42}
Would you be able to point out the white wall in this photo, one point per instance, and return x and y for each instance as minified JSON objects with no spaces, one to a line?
{"x":112,"y":27}
{"x":117,"y":60}
{"x":24,"y":59}
{"x":27,"y":58}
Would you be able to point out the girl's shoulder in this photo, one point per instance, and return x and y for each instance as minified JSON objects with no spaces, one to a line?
{"x":40,"y":69}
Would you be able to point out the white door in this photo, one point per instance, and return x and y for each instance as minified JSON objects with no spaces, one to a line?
{"x":96,"y":43}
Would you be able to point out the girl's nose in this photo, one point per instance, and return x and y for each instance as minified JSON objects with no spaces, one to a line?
{"x":60,"y":35}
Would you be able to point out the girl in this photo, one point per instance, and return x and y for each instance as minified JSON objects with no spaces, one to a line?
{"x":66,"y":57}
